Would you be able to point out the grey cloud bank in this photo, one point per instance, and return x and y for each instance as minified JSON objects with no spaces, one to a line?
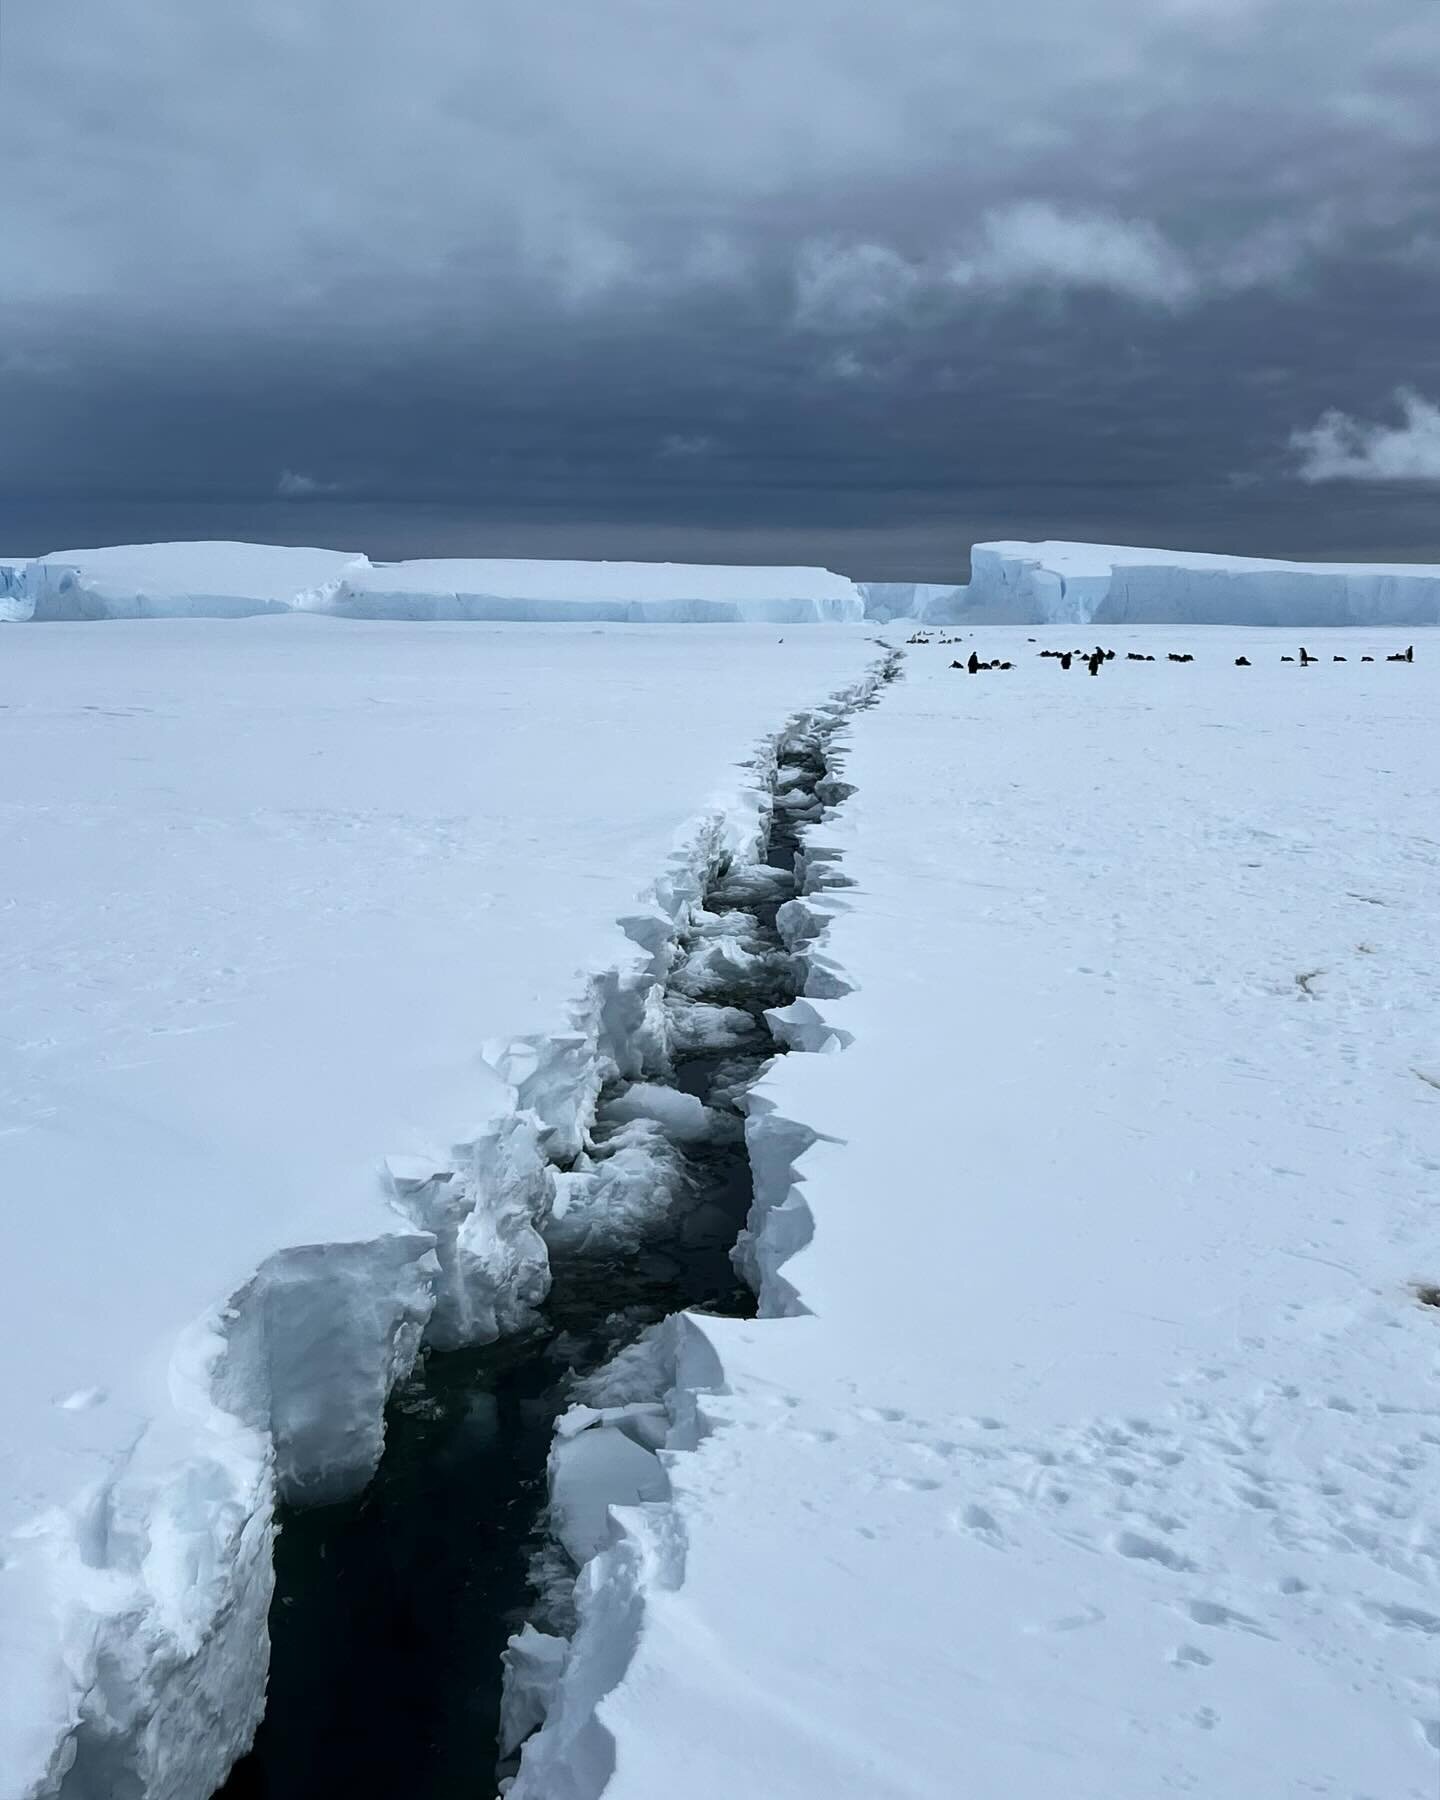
{"x":648,"y":281}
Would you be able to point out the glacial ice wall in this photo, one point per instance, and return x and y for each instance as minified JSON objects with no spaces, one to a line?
{"x":621,"y":593}
{"x":926,"y":602}
{"x":15,"y":602}
{"x":1062,"y":583}
{"x":236,"y":580}
{"x":185,"y":580}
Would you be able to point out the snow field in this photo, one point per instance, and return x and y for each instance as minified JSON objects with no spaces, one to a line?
{"x":1103,"y":1459}
{"x":274,"y":885}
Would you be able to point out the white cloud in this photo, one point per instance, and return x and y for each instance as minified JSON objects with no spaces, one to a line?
{"x":679,"y":446}
{"x":294,"y":486}
{"x":1036,"y":244}
{"x":847,"y":287}
{"x":1341,"y":448}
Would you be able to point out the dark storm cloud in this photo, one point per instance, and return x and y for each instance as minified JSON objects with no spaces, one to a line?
{"x":864,"y":280}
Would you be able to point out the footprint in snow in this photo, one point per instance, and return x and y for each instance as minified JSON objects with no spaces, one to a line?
{"x":1404,"y":1618}
{"x":910,"y":1484}
{"x":979,"y":1523}
{"x":1140,"y":1548}
{"x":1210,"y":1612}
{"x":1076,"y":1621}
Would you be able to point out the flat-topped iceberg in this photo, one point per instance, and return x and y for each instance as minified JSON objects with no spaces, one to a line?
{"x":186,"y":580}
{"x":233,"y":580}
{"x":620,"y":592}
{"x":1060,"y":583}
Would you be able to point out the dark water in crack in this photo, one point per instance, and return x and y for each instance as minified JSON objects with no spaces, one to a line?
{"x":391,"y":1611}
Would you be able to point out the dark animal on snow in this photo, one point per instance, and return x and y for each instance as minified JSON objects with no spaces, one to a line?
{"x":1242,"y":662}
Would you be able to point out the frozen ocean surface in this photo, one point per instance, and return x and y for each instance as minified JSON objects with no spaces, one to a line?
{"x":1106,"y":1460}
{"x":297,"y":913}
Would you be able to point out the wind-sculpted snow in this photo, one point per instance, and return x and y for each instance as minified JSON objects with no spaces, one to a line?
{"x":222,"y":580}
{"x":1058,"y":583}
{"x":313,"y":976}
{"x":1090,"y":1444}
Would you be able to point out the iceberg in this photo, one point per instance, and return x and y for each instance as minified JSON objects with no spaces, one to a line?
{"x":186,"y":580}
{"x":237,"y":580}
{"x":15,"y":603}
{"x":618,"y":592}
{"x":1077,"y":584}
{"x":926,"y":602}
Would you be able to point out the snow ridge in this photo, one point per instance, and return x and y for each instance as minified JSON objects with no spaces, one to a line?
{"x":648,"y":1403}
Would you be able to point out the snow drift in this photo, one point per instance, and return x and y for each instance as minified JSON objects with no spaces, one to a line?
{"x":232,"y":580}
{"x":1075,"y":584}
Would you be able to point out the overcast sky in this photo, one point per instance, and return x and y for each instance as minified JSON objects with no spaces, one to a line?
{"x":827,"y":280}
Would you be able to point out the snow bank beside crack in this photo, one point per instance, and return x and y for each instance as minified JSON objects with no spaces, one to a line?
{"x":610,"y":1495}
{"x":165,"y":1569}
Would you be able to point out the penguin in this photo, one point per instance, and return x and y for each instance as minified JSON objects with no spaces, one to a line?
{"x":1410,"y":654}
{"x":1306,"y":658}
{"x":1287,"y":659}
{"x":1094,"y":660}
{"x":1367,"y":659}
{"x":1133,"y":656}
{"x":1337,"y":659}
{"x":1065,"y":656}
{"x":1242,"y":662}
{"x":957,"y":665}
{"x":974,"y":663}
{"x":1399,"y":656}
